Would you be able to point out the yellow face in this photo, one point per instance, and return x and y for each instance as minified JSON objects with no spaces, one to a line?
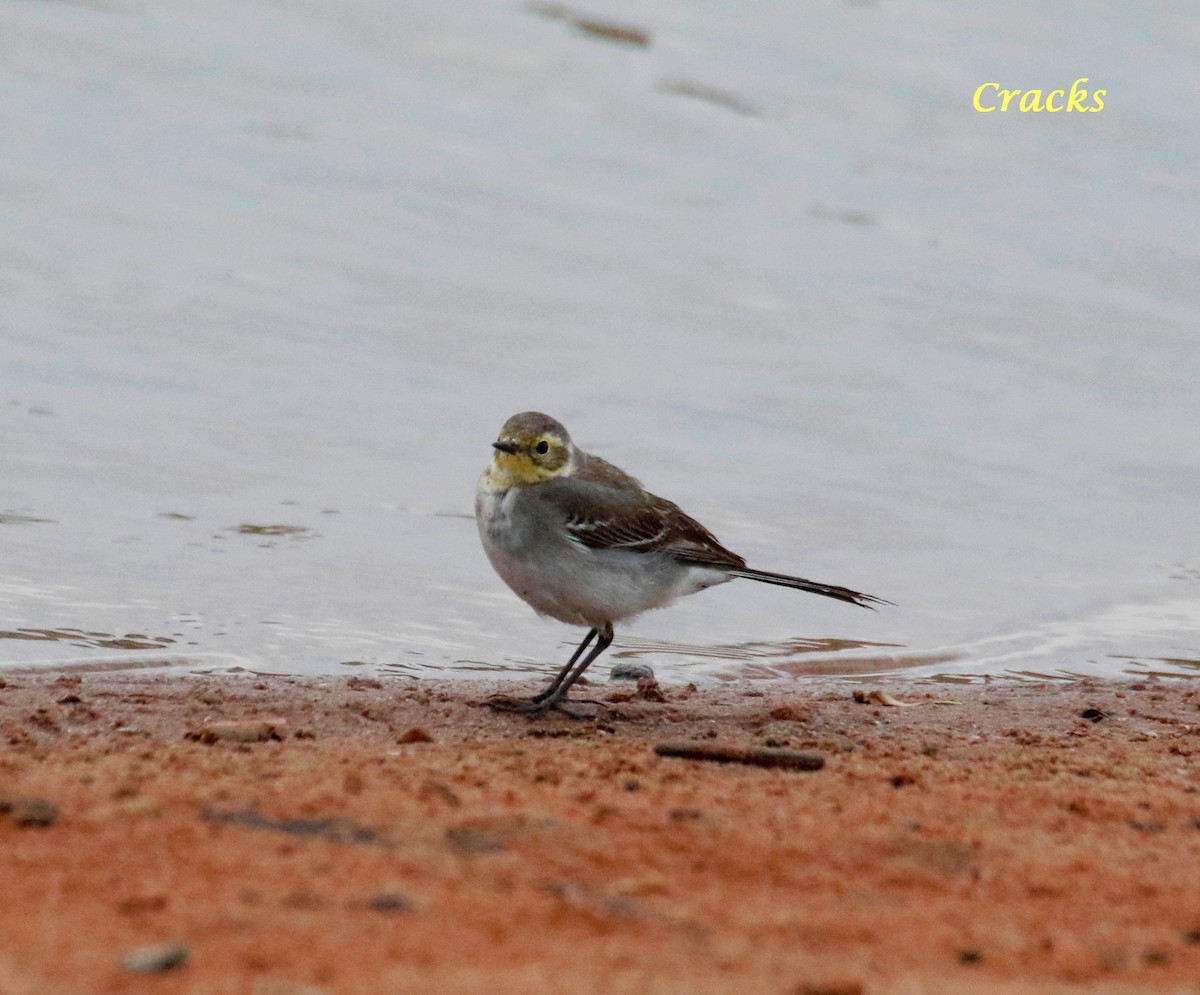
{"x":525,"y":455}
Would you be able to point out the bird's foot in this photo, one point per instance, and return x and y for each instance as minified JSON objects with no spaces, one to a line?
{"x":540,"y":706}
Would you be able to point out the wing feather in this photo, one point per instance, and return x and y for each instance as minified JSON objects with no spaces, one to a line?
{"x":602,"y":516}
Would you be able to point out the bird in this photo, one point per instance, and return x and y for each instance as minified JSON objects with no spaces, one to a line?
{"x":583,"y":542}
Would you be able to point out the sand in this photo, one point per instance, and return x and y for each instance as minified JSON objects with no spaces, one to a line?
{"x":292,"y":837}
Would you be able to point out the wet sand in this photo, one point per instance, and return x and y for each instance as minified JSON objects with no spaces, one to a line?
{"x":292,"y":837}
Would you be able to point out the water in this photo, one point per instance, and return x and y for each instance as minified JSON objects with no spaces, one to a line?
{"x":273,"y":277}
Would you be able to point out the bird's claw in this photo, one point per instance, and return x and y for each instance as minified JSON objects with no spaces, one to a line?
{"x":535,"y":706}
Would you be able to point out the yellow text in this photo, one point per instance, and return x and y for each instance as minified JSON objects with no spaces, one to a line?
{"x":991,"y":97}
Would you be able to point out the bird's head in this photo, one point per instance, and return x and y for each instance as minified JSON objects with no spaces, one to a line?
{"x":532,"y":447}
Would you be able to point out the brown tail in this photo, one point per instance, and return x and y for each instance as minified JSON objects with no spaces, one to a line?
{"x":829,"y":590}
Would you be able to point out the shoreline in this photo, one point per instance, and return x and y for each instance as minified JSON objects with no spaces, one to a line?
{"x":293,"y":836}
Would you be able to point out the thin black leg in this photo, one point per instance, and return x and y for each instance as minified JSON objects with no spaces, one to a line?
{"x":562,"y":674}
{"x":554,"y":696}
{"x":562,"y":684}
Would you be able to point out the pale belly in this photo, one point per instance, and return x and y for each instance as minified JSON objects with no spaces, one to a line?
{"x":572,"y":582}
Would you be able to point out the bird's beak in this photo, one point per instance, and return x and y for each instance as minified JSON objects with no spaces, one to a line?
{"x":505,"y":447}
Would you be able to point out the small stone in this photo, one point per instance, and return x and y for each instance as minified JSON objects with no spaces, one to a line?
{"x":472,"y":839}
{"x":648,"y":689}
{"x":414,"y":735}
{"x":970,"y":957}
{"x":239,"y":731}
{"x":30,"y":812}
{"x":789,"y":713}
{"x":364,"y":684}
{"x":141,"y":904}
{"x":160,"y":957}
{"x":390,"y":902}
{"x":630,"y":670}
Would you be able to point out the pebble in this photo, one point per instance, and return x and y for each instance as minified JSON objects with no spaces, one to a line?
{"x":470,"y":839}
{"x":160,"y":957}
{"x":240,"y":731}
{"x":34,"y":812}
{"x":630,"y":670}
{"x":648,"y":689}
{"x":141,"y":904}
{"x":389,"y":901}
{"x":414,"y":735}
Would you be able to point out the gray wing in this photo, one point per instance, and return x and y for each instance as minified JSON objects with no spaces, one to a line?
{"x":603,"y":517}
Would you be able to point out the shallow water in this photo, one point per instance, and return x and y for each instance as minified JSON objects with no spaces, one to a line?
{"x":272,"y":280}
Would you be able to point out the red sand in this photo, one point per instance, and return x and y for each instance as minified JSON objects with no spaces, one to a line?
{"x":397,"y":837}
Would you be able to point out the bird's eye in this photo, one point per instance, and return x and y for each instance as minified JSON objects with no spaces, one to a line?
{"x":542,"y":447}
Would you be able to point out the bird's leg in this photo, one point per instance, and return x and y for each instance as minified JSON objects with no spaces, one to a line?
{"x":552,"y":697}
{"x":562,"y":684}
{"x":562,"y":674}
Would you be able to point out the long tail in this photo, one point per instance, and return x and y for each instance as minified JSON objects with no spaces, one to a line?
{"x":829,"y":590}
